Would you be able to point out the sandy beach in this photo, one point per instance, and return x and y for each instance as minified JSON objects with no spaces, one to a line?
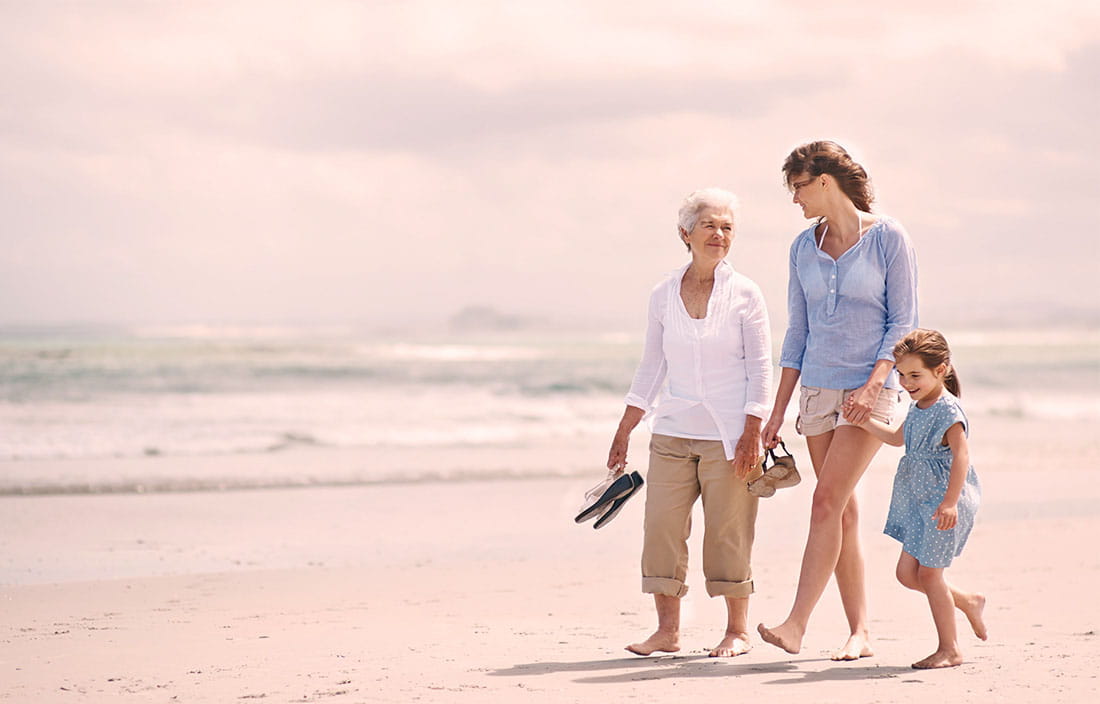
{"x":485,"y":591}
{"x":317,"y":320}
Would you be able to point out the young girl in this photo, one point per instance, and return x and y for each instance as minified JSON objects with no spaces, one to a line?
{"x":936,"y":492}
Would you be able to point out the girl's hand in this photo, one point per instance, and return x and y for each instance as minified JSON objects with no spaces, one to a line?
{"x":946,"y":516}
{"x":770,"y":435}
{"x":857,"y":408}
{"x":616,"y":457}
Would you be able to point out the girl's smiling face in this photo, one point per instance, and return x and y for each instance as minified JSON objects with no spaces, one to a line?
{"x":923,"y":384}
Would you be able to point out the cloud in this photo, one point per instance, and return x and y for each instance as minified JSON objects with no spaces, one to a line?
{"x":275,"y":161}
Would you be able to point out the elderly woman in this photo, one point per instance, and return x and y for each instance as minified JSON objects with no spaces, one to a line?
{"x":708,"y":338}
{"x":852,"y":296}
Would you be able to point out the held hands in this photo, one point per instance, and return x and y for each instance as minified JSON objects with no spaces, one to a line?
{"x":858,"y":405}
{"x":946,"y":516}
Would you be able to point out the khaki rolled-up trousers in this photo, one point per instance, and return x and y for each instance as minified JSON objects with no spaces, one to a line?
{"x":680,"y":470}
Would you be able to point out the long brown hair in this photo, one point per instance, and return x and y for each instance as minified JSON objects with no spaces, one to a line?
{"x":825,"y":157}
{"x":932,"y":349}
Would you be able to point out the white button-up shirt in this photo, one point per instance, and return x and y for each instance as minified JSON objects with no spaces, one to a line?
{"x":717,"y":369}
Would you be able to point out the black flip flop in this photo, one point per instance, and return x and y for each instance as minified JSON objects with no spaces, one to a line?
{"x":617,"y":505}
{"x":622,"y":485}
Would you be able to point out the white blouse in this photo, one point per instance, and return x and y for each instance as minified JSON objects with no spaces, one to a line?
{"x":718,"y":368}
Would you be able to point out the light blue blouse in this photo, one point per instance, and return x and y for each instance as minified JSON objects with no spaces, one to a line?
{"x":846,"y":314}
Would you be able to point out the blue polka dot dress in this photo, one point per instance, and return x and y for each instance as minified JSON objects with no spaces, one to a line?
{"x":921,"y":483}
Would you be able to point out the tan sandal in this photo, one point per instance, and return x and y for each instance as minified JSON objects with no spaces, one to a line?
{"x":781,"y":474}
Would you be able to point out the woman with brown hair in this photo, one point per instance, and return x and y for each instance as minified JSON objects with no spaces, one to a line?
{"x":852,"y":295}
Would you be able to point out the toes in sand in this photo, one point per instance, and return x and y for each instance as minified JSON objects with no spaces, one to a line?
{"x":732,"y":645}
{"x":938,"y":659}
{"x":858,"y":646}
{"x":658,"y":642}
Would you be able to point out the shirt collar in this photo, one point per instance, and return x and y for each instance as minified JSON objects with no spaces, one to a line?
{"x":724,"y":270}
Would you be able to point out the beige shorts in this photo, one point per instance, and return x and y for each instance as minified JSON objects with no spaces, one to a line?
{"x":821,"y":410}
{"x":680,"y":471}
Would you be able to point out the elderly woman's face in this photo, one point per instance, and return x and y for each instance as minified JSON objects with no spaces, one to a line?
{"x":712,"y":234}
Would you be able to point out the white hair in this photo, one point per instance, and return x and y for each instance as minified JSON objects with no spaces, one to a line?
{"x":707,"y":198}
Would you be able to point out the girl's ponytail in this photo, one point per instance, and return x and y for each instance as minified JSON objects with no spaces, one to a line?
{"x":951,"y":381}
{"x":932,"y":349}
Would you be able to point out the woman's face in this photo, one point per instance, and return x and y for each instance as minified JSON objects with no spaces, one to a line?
{"x":807,"y":192}
{"x":712,"y":235}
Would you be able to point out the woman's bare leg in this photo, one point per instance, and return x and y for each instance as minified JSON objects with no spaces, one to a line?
{"x":667,"y":637}
{"x":850,"y":579}
{"x":849,"y":453}
{"x":851,"y":582}
{"x":736,"y":639}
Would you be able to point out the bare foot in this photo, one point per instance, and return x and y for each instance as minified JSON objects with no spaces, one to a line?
{"x":973,"y":610}
{"x":732,"y":645}
{"x":658,"y":642}
{"x":858,"y":646}
{"x":938,"y":659}
{"x":785,"y":636}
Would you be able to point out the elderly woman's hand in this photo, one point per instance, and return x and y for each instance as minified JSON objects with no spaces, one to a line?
{"x":616,"y":457}
{"x":747,"y":453}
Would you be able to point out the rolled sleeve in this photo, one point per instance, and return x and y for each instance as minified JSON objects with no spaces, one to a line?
{"x":653,"y":367}
{"x":798,"y":328}
{"x":901,"y":289}
{"x":756,"y":334}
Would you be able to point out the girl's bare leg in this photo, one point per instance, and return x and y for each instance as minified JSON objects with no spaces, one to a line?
{"x":849,"y":452}
{"x":972,"y":604}
{"x":943,"y":613}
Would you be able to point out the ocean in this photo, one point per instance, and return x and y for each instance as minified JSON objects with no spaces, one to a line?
{"x":68,"y":396}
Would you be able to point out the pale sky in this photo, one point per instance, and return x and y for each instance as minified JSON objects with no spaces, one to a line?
{"x":391,"y":161}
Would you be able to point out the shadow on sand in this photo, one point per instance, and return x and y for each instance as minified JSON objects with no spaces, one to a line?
{"x":696,"y":666}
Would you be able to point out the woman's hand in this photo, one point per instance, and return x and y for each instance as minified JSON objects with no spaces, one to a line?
{"x":747,"y":453}
{"x":858,"y":406}
{"x":946,"y":516}
{"x":770,"y":435}
{"x":616,"y":457}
